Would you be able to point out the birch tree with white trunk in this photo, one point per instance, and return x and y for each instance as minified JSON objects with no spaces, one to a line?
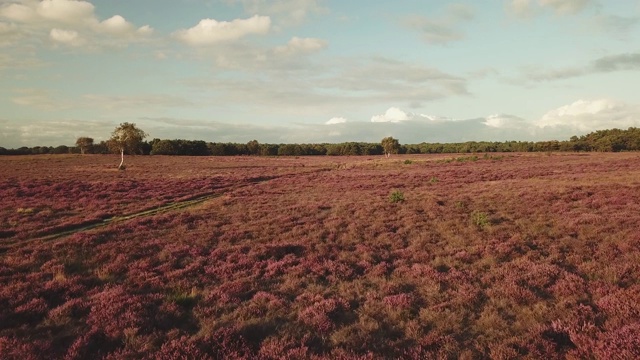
{"x":126,"y":138}
{"x":390,"y":146}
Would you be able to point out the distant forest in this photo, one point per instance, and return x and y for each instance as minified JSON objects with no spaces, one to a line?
{"x":613,"y":140}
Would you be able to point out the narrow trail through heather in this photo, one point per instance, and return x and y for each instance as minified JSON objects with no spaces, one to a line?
{"x":77,"y":228}
{"x":173,"y":206}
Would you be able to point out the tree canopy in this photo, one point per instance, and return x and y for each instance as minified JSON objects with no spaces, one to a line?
{"x":84,"y":144}
{"x":390,"y":145}
{"x":126,"y":138}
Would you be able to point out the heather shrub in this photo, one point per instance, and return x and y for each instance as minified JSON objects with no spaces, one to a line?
{"x":325,"y":277}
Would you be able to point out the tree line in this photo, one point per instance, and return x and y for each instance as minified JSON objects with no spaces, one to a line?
{"x":613,"y":140}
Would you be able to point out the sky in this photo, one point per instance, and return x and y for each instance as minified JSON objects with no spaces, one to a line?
{"x":317,"y":71}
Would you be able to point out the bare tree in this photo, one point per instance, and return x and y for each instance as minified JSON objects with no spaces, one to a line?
{"x":85,"y":144}
{"x":126,"y":138}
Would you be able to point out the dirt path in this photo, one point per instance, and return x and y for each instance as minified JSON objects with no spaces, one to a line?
{"x":73,"y":229}
{"x":86,"y":226}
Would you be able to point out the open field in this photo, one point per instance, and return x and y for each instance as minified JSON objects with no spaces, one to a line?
{"x":499,"y":256}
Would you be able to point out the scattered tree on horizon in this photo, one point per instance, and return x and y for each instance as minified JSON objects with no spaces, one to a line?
{"x":390,"y":146}
{"x":84,"y":144}
{"x":126,"y":138}
{"x":253,"y":147}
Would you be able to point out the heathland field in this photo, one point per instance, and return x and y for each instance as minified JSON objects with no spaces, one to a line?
{"x":468,"y":256}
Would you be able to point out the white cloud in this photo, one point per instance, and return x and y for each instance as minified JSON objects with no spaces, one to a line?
{"x":591,"y":115}
{"x":61,"y":19}
{"x":116,"y":25}
{"x":504,"y":121}
{"x":336,"y":120}
{"x":145,"y":30}
{"x":18,"y":12}
{"x":210,"y":31}
{"x":66,"y":11}
{"x":301,"y":45}
{"x":395,"y":115}
{"x":67,"y":37}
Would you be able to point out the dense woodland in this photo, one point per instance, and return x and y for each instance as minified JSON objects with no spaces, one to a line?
{"x":613,"y":140}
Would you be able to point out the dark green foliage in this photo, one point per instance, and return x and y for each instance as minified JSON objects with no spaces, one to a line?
{"x":480,"y":219}
{"x":613,"y":140}
{"x":396,"y":196}
{"x":180,"y":147}
{"x":390,"y":145}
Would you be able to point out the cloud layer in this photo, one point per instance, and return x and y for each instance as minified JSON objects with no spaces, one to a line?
{"x":68,"y":22}
{"x":577,"y":118}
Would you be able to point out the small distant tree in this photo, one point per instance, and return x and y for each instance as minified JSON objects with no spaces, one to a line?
{"x":390,"y":146}
{"x":84,"y":144}
{"x":126,"y":138}
{"x":253,"y":147}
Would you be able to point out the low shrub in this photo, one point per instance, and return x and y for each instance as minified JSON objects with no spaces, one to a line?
{"x":480,"y":219}
{"x":396,"y":196}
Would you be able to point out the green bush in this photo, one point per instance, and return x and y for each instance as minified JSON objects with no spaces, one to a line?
{"x":408,"y":162}
{"x":480,"y":219}
{"x":396,"y":196}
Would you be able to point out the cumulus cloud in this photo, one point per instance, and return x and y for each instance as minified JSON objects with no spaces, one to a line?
{"x":392,"y":114}
{"x":395,"y":115}
{"x":336,"y":120}
{"x":145,"y":30}
{"x":116,"y":25}
{"x":68,"y":37}
{"x":67,"y":21}
{"x":18,"y":12}
{"x":301,"y":45}
{"x":505,"y":121}
{"x":66,"y":11}
{"x":210,"y":31}
{"x":591,"y":115}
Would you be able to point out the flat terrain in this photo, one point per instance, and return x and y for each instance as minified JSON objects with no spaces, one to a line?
{"x":447,"y":256}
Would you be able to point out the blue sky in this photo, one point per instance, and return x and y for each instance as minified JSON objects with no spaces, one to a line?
{"x":286,"y":71}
